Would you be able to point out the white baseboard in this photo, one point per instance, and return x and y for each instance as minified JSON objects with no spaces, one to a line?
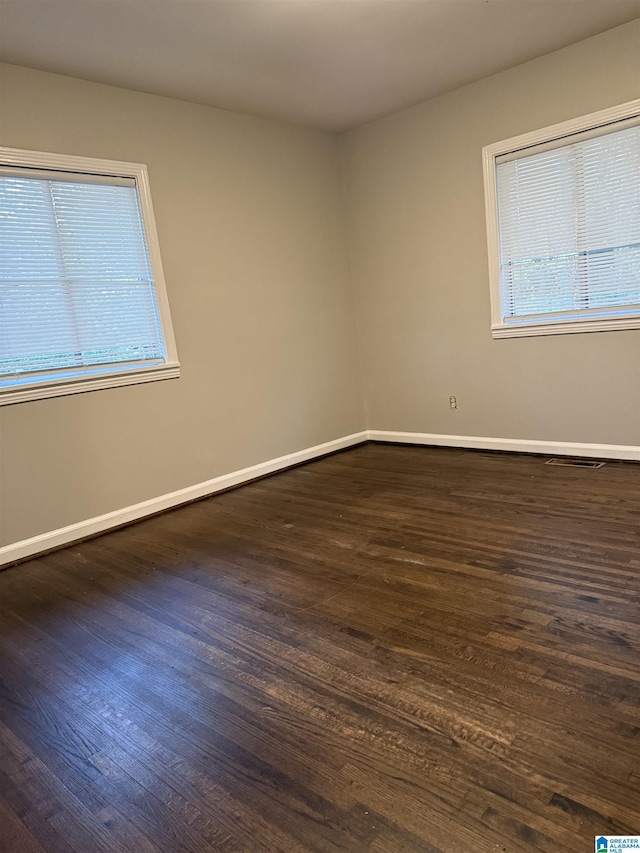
{"x":92,"y":526}
{"x":515,"y":445}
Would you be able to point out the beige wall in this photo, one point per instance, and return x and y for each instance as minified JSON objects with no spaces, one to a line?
{"x":250,"y":221}
{"x":418,"y":246}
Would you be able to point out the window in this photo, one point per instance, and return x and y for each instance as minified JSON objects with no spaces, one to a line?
{"x":82,"y":297}
{"x":563,"y":226}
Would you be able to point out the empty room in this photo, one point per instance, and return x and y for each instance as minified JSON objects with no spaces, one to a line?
{"x":319,"y":426}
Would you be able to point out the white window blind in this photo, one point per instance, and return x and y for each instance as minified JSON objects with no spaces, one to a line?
{"x":570,"y":229}
{"x":78,"y":297}
{"x":567,"y":229}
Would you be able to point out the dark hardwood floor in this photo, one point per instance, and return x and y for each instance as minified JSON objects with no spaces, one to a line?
{"x":390,"y":649}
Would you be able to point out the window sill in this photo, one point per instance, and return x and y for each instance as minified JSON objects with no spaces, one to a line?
{"x":60,"y":387}
{"x":565,"y":328}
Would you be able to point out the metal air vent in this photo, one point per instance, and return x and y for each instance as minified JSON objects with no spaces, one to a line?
{"x":568,"y":462}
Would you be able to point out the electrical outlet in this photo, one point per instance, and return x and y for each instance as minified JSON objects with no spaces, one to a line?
{"x":453,"y":403}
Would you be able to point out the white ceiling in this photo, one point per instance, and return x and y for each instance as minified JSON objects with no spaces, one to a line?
{"x":331,"y":64}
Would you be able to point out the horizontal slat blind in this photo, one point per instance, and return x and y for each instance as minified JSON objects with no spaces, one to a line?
{"x":569,"y":225}
{"x":76,"y":288}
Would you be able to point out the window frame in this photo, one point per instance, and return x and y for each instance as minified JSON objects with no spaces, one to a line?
{"x":553,"y":133}
{"x":100,"y":376}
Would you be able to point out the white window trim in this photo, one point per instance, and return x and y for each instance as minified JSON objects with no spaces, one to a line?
{"x":499,"y":329}
{"x":108,"y":376}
